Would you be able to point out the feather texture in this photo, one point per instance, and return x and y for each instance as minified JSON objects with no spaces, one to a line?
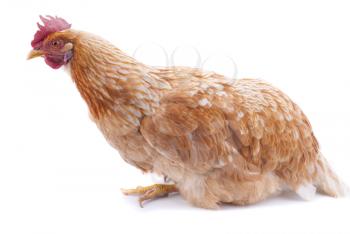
{"x":218,"y":140}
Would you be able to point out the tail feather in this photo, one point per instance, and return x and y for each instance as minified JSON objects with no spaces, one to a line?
{"x":327,"y":182}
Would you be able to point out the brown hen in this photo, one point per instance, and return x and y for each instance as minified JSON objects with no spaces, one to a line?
{"x":218,"y":141}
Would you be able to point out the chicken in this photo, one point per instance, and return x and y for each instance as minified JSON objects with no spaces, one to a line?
{"x":218,"y":140}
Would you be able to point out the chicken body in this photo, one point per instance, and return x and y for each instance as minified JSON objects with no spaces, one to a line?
{"x":219,"y":140}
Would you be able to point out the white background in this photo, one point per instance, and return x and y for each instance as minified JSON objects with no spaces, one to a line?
{"x":57,"y":173}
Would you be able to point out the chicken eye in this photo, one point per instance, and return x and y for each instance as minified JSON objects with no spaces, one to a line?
{"x":55,"y":43}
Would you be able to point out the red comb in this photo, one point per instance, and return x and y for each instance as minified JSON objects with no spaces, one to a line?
{"x":51,"y":25}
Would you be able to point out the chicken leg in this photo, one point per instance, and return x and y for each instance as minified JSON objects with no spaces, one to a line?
{"x":151,"y":192}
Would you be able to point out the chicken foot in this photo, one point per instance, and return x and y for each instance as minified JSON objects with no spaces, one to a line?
{"x":151,"y":192}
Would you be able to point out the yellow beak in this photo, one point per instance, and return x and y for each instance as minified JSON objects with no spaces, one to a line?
{"x":35,"y":54}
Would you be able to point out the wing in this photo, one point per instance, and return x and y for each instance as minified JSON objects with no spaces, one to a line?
{"x":249,"y":127}
{"x":191,"y":129}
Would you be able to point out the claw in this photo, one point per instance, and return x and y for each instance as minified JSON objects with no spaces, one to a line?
{"x":151,"y":192}
{"x":131,"y":191}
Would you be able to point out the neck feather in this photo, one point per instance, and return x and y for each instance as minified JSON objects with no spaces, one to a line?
{"x":110,"y":81}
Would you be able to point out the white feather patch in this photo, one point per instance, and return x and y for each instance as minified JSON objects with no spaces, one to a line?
{"x":306,"y":191}
{"x":204,"y":102}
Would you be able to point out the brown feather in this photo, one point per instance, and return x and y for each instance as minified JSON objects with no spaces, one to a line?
{"x":218,"y":140}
